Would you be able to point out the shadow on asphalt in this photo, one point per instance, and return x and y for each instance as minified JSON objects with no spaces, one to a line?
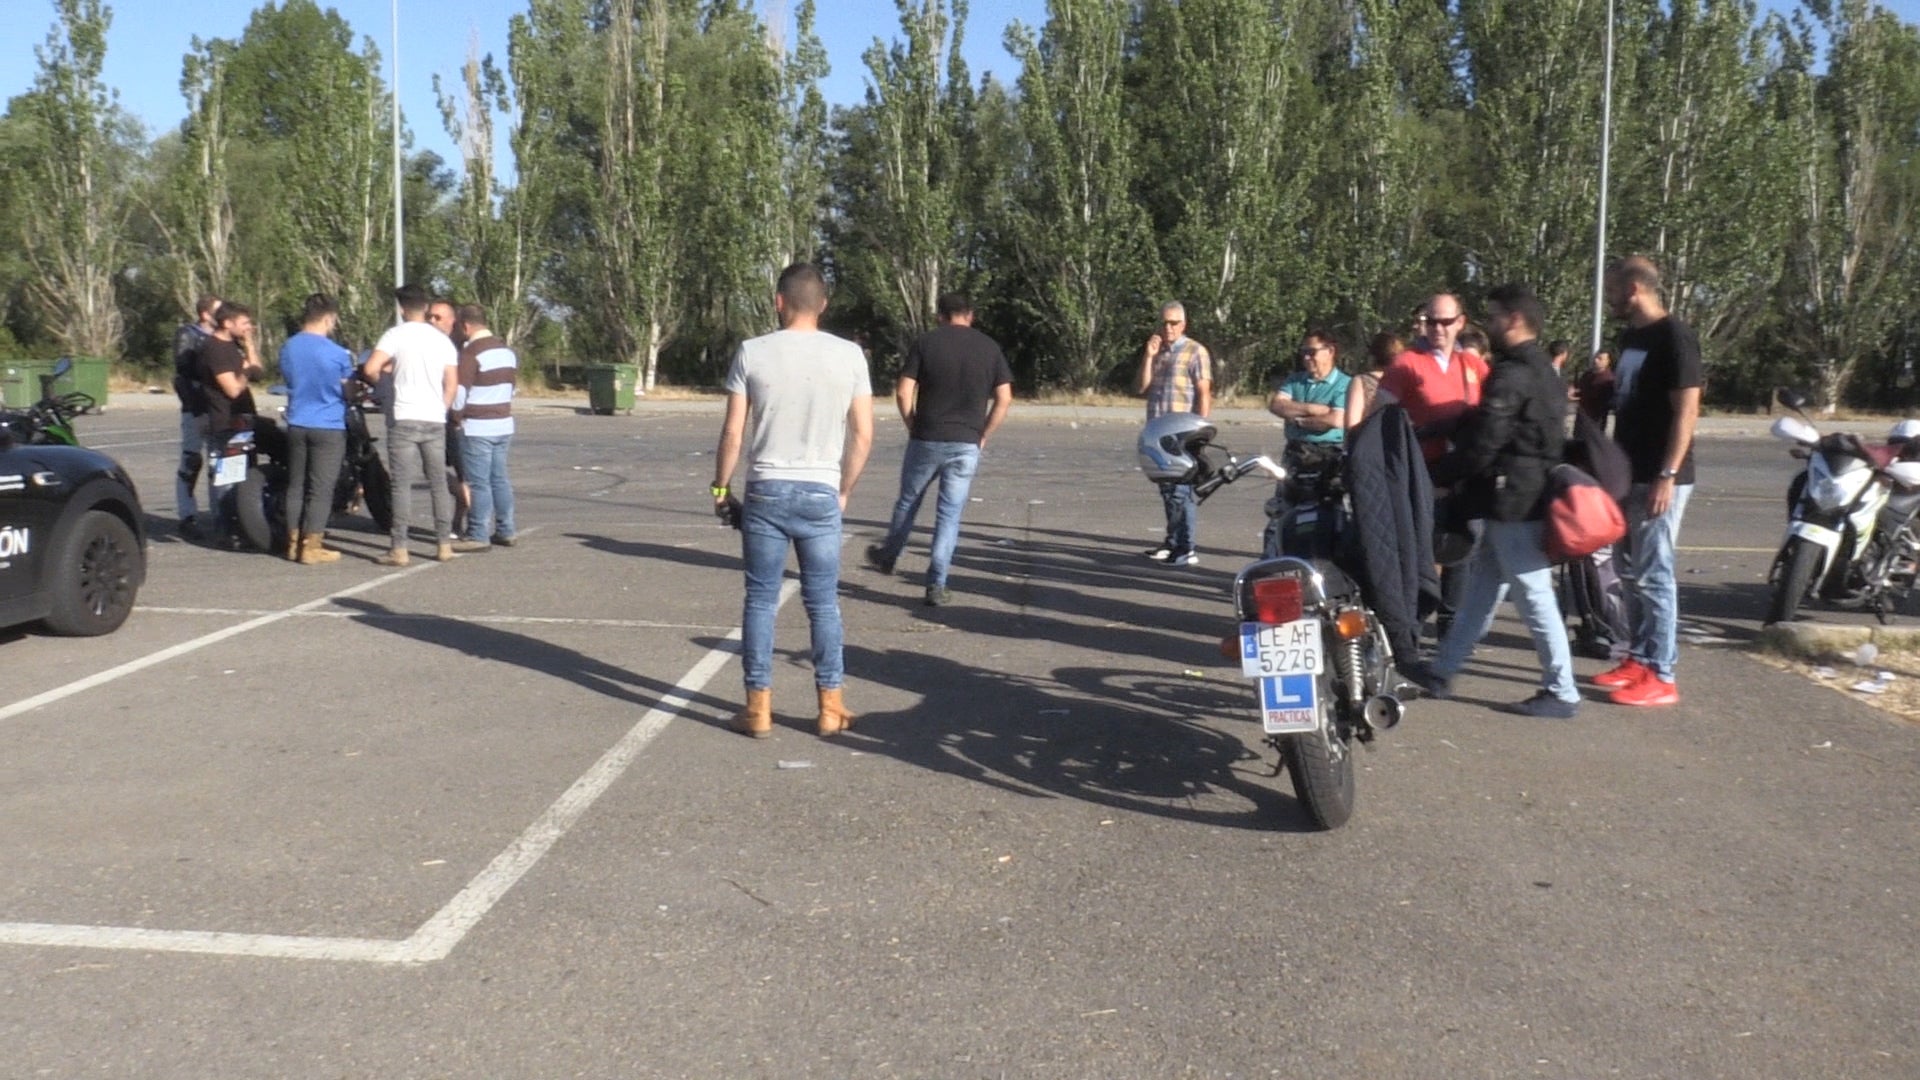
{"x":544,"y":657}
{"x":640,"y":549}
{"x":1120,"y":739}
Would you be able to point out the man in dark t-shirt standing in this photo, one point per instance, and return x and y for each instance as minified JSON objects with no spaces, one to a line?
{"x":228,"y":366}
{"x":193,"y":412}
{"x":954,"y":391}
{"x":1656,"y":403}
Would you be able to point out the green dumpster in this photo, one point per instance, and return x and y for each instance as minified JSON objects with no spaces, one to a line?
{"x":21,"y":385}
{"x":610,"y":387}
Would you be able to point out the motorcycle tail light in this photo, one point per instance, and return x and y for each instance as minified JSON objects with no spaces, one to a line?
{"x":1276,"y":600}
{"x":1352,"y":623}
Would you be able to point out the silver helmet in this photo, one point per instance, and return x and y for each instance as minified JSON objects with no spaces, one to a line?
{"x":1904,"y":432}
{"x":1168,"y":444}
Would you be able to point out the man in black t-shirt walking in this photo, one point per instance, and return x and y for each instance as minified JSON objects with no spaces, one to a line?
{"x":1656,"y":404}
{"x":954,"y":391}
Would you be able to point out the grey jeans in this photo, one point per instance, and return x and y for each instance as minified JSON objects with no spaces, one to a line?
{"x":415,"y":447}
{"x":313,"y":469}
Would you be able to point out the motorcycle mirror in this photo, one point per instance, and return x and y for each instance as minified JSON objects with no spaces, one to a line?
{"x":62,"y":366}
{"x":1790,"y":399}
{"x":1905,"y":473}
{"x":1794,"y":430}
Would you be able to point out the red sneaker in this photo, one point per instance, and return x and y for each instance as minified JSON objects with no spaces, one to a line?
{"x":1629,"y":672}
{"x":1648,"y":691}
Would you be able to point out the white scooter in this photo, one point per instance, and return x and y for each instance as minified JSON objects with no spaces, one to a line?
{"x":1850,"y":529}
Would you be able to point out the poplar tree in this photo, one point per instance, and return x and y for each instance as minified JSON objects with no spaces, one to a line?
{"x":1081,"y":243}
{"x":70,"y":151}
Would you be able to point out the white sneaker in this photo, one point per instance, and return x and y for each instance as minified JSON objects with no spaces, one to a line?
{"x":1183,"y":558}
{"x":1161,"y":553}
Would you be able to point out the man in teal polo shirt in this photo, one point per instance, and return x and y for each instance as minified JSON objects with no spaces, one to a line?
{"x":1313,"y":400}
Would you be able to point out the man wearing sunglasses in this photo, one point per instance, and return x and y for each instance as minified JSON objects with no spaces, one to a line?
{"x":1438,"y":383}
{"x":1176,"y":374}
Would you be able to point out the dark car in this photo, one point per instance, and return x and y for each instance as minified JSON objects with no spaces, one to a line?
{"x":72,"y":538}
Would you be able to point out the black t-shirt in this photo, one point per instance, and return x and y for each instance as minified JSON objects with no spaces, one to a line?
{"x":217,"y":356}
{"x":1655,"y":360}
{"x":958,"y":369}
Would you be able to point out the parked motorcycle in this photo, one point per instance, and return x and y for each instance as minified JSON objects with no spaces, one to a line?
{"x":257,"y":461}
{"x":1319,"y":660}
{"x":49,"y":421}
{"x":1851,"y":538}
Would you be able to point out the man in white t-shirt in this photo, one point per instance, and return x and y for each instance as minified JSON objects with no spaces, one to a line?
{"x":426,"y":374}
{"x":800,"y":406}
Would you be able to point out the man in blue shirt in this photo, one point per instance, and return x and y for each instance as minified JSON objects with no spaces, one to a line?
{"x":315,"y":369}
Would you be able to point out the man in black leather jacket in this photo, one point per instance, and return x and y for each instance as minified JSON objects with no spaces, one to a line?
{"x":1502,"y":461}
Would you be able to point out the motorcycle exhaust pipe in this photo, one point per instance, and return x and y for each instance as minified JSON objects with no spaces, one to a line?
{"x":1383,"y":712}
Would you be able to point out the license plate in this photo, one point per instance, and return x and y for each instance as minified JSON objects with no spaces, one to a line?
{"x":1289,"y":703}
{"x":230,"y":470}
{"x":1280,"y":649}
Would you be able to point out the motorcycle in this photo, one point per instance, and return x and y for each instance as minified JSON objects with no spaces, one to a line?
{"x":1851,"y":537}
{"x":256,"y":460}
{"x":1319,"y":660}
{"x":49,"y":421}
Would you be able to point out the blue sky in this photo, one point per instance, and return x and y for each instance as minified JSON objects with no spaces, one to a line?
{"x":149,"y":37}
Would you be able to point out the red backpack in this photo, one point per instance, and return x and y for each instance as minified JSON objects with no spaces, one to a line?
{"x":1581,"y":517}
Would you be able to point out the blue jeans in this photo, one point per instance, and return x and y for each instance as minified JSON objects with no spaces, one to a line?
{"x":777,"y":513}
{"x":953,"y":465}
{"x":1647,"y":571}
{"x":1510,"y":556}
{"x":1183,"y":513}
{"x":484,"y":460}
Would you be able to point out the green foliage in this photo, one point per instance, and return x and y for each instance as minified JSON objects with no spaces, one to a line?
{"x":1274,"y":164}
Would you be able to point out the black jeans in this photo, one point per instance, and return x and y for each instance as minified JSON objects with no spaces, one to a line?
{"x":313,"y":469}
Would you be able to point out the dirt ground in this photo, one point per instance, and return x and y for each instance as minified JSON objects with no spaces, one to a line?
{"x":1840,"y":671}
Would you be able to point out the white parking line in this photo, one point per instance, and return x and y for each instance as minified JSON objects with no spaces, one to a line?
{"x":439,"y":935}
{"x":201,"y":642}
{"x":124,"y":445}
{"x":487,"y":620}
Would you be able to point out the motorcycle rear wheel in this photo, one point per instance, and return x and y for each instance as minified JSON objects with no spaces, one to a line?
{"x":250,"y":511}
{"x":1322,"y":778}
{"x":1797,"y":565}
{"x":377,"y":491}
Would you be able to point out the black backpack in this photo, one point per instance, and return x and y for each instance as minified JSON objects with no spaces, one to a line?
{"x":1593,"y":451}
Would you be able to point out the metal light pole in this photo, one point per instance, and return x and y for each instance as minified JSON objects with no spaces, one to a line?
{"x":1606,"y":149}
{"x":399,"y":208}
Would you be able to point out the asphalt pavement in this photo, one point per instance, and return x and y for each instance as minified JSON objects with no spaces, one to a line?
{"x":483,"y":819}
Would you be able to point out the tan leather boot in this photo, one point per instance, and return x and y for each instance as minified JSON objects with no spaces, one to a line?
{"x":834,"y":717}
{"x":395,"y":557}
{"x":293,"y":546}
{"x":444,"y":553}
{"x":312,"y":553}
{"x":756,"y":717}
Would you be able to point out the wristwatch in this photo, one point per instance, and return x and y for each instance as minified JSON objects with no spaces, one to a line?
{"x":1669,"y":474}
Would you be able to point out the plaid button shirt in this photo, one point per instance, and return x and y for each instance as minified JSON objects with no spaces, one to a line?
{"x":1178,"y":371}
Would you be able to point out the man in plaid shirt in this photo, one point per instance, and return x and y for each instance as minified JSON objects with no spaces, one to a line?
{"x":1176,"y":374}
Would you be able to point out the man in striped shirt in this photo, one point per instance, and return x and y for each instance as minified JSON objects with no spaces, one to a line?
{"x":484,"y":404}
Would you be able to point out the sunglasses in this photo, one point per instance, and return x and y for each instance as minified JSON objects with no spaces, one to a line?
{"x":1431,"y":321}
